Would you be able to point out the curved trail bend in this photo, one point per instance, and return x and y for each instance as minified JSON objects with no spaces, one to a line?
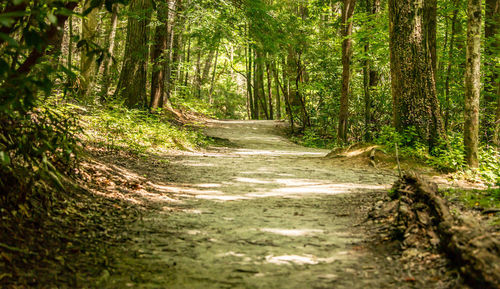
{"x":263,"y":213}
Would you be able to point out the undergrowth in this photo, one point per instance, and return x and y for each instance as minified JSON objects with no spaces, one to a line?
{"x":138,"y":131}
{"x":447,"y":157}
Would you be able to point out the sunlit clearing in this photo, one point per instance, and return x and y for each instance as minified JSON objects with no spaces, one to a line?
{"x":292,"y":232}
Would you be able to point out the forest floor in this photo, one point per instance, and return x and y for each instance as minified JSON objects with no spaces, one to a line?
{"x":256,"y":211}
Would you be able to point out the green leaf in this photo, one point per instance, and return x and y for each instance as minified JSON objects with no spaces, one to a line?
{"x":4,"y":158}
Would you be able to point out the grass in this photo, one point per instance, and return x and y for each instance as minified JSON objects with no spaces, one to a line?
{"x":139,"y":131}
{"x":477,"y":199}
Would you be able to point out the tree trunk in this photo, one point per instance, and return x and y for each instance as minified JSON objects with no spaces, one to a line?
{"x":472,"y":82}
{"x":251,"y":109}
{"x":111,"y":48}
{"x":159,"y":55}
{"x":259,"y":94}
{"x":269,"y":90}
{"x":347,"y":12}
{"x":278,"y":97}
{"x":87,"y":60}
{"x":132,"y":82}
{"x":448,"y":69}
{"x":492,"y":67}
{"x":415,"y":103}
{"x":214,"y":71}
{"x":370,"y":75}
{"x":169,"y":65}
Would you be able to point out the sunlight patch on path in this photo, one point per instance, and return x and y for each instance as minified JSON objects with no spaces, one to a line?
{"x":292,"y":232}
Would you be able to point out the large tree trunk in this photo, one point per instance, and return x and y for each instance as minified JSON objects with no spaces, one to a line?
{"x":415,"y":103}
{"x":111,"y":48}
{"x":492,"y":67}
{"x":87,"y":60}
{"x":132,"y":82}
{"x":347,"y":12}
{"x":472,"y":82}
{"x":159,"y":55}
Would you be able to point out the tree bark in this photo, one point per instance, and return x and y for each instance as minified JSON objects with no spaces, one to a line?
{"x":415,"y":103}
{"x":491,"y":119}
{"x":259,"y":93}
{"x":472,"y":82}
{"x":447,"y":106}
{"x":132,"y":82}
{"x":87,"y":60}
{"x":159,"y":55}
{"x":269,"y":90}
{"x":278,"y":97}
{"x":111,"y":48}
{"x":347,"y":12}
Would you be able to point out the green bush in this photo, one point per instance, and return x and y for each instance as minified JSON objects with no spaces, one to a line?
{"x":35,"y":149}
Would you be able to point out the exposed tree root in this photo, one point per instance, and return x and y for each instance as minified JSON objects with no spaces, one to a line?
{"x":423,"y":218}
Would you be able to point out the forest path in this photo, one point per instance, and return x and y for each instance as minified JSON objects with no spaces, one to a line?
{"x":262,"y":213}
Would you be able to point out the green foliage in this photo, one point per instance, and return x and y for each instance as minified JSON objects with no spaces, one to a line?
{"x":485,"y":199}
{"x":35,"y":149}
{"x":138,"y":131}
{"x":311,"y":138}
{"x":448,"y":156}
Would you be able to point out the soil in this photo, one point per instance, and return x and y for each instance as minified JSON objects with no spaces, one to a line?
{"x":257,"y":211}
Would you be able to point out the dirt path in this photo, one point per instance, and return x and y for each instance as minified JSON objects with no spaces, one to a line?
{"x":263,"y":213}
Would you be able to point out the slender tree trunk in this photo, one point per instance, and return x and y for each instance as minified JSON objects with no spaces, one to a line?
{"x":259,"y":93}
{"x":178,"y":32}
{"x":347,"y":12}
{"x":208,"y":63}
{"x":370,"y":75}
{"x":87,"y":59}
{"x":212,"y":83}
{"x":198,"y":79}
{"x":70,"y":76}
{"x":248,"y":51}
{"x":158,"y":57}
{"x":188,"y":60}
{"x":448,"y":69}
{"x":472,"y":83}
{"x":132,"y":82}
{"x":269,"y":90}
{"x":169,"y":53}
{"x":415,"y":102}
{"x":286,"y":93}
{"x":278,"y":97}
{"x":106,"y":64}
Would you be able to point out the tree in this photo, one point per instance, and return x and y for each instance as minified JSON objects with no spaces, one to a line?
{"x":132,"y":81}
{"x":159,"y":56}
{"x":347,"y":12}
{"x":491,"y":119}
{"x":472,"y":82}
{"x":87,"y":58}
{"x":415,"y":102}
{"x":109,"y":56}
